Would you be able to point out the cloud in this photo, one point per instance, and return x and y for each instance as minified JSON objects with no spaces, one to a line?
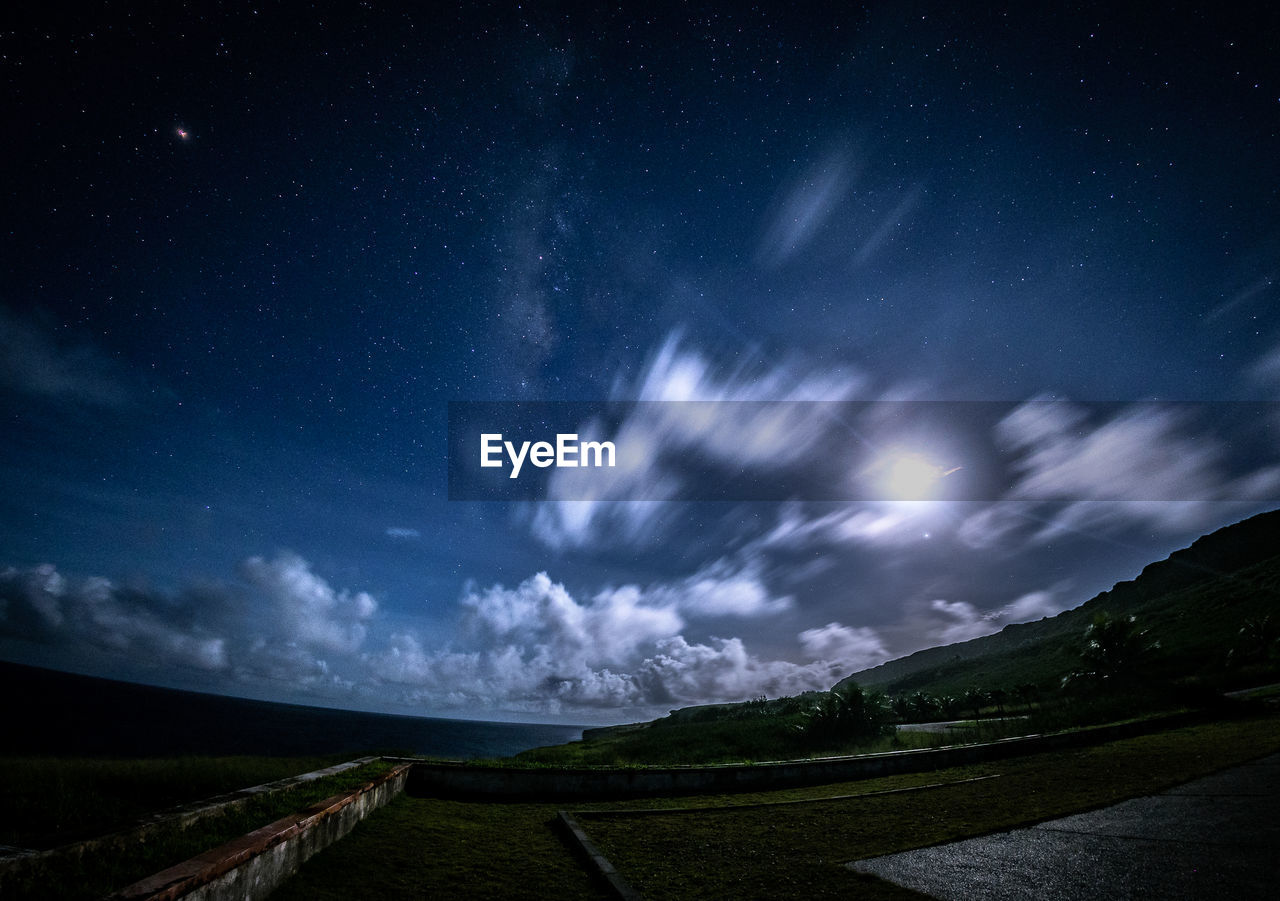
{"x":280,"y":623}
{"x":306,"y":608}
{"x":885,"y":525}
{"x":805,"y":205}
{"x":542,"y":616}
{"x":993,"y":525}
{"x":536,"y":647}
{"x":753,"y":418}
{"x":1139,"y":454}
{"x":853,"y":648}
{"x":886,"y":226}
{"x":1146,"y":464}
{"x":723,"y":588}
{"x":40,"y":605}
{"x":724,"y":671}
{"x":1266,"y":370}
{"x":943,"y":622}
{"x":32,"y":361}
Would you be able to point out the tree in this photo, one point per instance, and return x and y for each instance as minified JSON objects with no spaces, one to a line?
{"x":924,"y":707}
{"x":950,"y":706}
{"x":901,"y":707}
{"x":975,"y":699}
{"x":1029,"y":692}
{"x":1256,"y":641}
{"x":1115,"y":652}
{"x":848,"y":714}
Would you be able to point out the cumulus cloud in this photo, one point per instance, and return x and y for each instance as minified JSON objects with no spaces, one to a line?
{"x":41,"y":605}
{"x":535,"y":646}
{"x":281,"y":622}
{"x":724,"y":670}
{"x":308,"y":610}
{"x":543,"y":616}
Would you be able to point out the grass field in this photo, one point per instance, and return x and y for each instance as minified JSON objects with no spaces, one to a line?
{"x":418,"y":848}
{"x":114,"y":793}
{"x":50,"y":801}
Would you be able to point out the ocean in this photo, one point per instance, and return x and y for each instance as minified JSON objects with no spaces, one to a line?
{"x":54,"y":713}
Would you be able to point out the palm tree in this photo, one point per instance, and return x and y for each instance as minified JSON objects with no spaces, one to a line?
{"x":950,"y":706}
{"x":924,"y":706}
{"x":849,"y":713}
{"x":1115,"y":651}
{"x":1029,"y":692}
{"x":901,"y":707}
{"x":1256,"y":640}
{"x":975,"y":699}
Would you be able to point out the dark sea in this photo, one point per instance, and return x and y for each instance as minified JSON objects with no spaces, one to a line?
{"x":52,"y":713}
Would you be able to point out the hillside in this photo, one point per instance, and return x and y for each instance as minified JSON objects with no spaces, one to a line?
{"x":1194,"y":602}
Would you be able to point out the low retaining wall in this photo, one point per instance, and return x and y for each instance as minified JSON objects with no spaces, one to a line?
{"x":21,"y":866}
{"x":252,"y":866}
{"x":461,"y":781}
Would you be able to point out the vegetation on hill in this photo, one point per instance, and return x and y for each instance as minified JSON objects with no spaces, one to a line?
{"x":1196,"y":603}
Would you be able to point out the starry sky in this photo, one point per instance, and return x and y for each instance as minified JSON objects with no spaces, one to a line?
{"x":251,"y":252}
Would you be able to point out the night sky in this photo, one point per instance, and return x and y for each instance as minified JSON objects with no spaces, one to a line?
{"x":249,"y":253}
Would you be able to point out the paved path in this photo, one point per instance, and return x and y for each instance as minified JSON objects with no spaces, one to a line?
{"x":1216,"y":837}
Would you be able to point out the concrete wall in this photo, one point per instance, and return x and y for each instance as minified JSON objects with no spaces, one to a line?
{"x":23,"y":867}
{"x":252,"y":866}
{"x":463,"y":781}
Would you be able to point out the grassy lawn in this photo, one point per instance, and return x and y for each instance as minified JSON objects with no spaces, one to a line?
{"x":417,"y":848}
{"x":50,"y":801}
{"x":99,"y":872}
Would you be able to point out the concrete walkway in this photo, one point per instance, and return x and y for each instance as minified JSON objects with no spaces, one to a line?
{"x":1216,"y":837}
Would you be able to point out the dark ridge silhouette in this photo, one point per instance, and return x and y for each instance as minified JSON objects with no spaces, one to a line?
{"x":1194,"y":602}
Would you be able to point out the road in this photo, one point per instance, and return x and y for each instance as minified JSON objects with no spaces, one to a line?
{"x":1215,"y":837}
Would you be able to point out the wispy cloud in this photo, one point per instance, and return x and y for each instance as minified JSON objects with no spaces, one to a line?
{"x":690,"y":410}
{"x":853,"y":648}
{"x":1147,"y":463}
{"x":33,"y":361}
{"x":803,"y":207}
{"x":943,"y":622}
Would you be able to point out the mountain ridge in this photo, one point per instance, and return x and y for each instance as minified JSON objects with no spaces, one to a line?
{"x":1236,"y":569}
